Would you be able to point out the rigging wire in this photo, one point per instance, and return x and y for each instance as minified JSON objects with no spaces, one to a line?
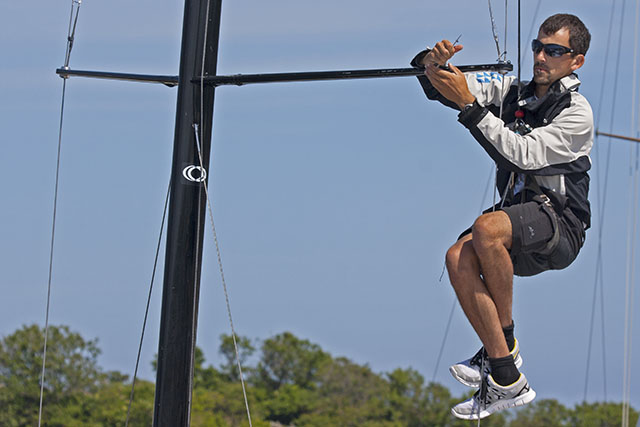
{"x":75,"y":7}
{"x":632,"y":222}
{"x":453,"y":305}
{"x":494,"y":31}
{"x":444,"y":339}
{"x":533,"y":25}
{"x":601,"y":192}
{"x":196,"y":286}
{"x":482,"y":367}
{"x":146,"y":312}
{"x":519,"y":55}
{"x":199,"y":234}
{"x":198,"y":134}
{"x":506,"y":22}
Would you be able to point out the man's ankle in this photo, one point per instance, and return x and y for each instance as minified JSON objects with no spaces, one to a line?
{"x":508,"y":336}
{"x":503,"y":370}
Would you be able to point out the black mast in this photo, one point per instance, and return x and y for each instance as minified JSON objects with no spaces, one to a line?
{"x":185,"y":227}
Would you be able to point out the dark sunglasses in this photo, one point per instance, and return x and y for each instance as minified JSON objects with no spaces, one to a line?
{"x":551,"y":49}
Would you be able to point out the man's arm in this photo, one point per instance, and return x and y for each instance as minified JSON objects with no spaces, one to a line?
{"x":441,"y":53}
{"x":450,"y":84}
{"x":562,"y":146}
{"x":486,"y":87}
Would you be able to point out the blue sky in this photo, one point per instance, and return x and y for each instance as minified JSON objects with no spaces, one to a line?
{"x":334,"y":201}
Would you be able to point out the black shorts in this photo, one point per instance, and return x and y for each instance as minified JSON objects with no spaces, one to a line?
{"x":532,"y":229}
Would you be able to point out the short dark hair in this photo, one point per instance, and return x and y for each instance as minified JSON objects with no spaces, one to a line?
{"x":579,"y":37}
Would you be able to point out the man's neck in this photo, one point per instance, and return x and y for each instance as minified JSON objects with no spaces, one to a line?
{"x":541,"y":90}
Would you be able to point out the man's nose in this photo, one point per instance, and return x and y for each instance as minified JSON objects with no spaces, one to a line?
{"x":540,"y":56}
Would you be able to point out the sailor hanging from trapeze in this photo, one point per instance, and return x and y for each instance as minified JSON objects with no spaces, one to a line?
{"x":540,"y":136}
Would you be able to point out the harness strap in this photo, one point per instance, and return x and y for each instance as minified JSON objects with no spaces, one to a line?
{"x":548,"y":207}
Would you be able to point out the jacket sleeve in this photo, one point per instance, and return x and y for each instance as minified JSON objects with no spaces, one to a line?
{"x":427,"y":87}
{"x":568,"y":137}
{"x":487,"y":87}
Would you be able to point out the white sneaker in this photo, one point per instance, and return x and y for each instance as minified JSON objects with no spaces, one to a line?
{"x":493,"y":397}
{"x":468,"y":371}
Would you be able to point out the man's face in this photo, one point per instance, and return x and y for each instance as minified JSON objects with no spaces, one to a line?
{"x":547,"y":69}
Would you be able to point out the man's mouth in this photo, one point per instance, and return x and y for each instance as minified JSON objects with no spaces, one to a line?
{"x":538,"y":68}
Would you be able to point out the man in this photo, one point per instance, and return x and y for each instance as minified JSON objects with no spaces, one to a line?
{"x":540,"y":140}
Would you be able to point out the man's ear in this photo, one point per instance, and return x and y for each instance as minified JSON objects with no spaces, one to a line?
{"x":578,"y":61}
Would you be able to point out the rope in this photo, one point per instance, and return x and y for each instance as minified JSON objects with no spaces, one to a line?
{"x":196,"y":128}
{"x":483,"y":387}
{"x":224,"y":284}
{"x":146,"y":312}
{"x":601,"y":193}
{"x":70,"y":36}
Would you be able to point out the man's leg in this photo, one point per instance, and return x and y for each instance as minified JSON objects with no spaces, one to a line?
{"x":481,"y":273}
{"x":492,"y":241}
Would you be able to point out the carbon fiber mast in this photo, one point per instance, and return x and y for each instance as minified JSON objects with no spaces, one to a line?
{"x":185,"y":227}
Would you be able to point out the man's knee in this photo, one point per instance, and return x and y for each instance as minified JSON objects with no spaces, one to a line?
{"x":492,"y":229}
{"x":453,"y":256}
{"x":461,"y":260}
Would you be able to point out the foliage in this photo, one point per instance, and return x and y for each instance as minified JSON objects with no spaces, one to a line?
{"x":227,"y":349}
{"x":76,"y":391}
{"x":546,"y":412}
{"x":601,"y":415}
{"x":289,"y":360}
{"x":292,"y":383}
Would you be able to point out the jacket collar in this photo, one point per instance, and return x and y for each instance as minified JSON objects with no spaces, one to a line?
{"x":528,"y":100}
{"x":567,"y":83}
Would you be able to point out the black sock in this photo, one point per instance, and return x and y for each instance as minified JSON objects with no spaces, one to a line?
{"x":508,"y":335}
{"x":503,"y":370}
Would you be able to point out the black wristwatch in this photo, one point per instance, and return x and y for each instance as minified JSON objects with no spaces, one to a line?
{"x":468,"y":106}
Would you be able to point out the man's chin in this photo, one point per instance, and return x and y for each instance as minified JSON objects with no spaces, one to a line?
{"x":541,"y":79}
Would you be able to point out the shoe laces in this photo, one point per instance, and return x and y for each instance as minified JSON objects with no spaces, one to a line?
{"x":484,"y":388}
{"x":480,"y":397}
{"x":477,"y":358}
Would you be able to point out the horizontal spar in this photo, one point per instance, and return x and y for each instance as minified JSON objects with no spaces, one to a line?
{"x":243,"y":79}
{"x":611,"y":135}
{"x":147,"y":78}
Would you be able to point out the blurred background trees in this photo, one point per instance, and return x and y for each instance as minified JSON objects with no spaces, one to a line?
{"x":290,"y":381}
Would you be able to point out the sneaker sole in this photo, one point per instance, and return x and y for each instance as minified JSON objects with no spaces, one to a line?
{"x":498,"y":406}
{"x":476,"y":383}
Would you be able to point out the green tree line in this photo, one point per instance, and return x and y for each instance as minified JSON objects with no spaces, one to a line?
{"x":290,"y":382}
